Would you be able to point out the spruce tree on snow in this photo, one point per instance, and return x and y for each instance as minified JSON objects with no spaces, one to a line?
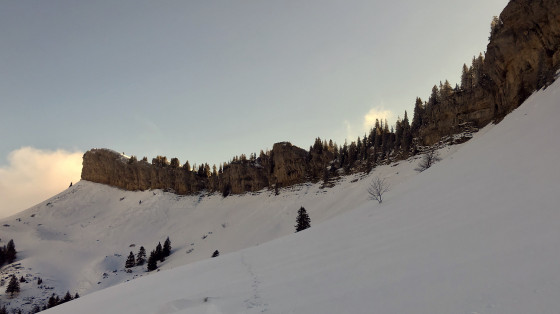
{"x":13,"y":286}
{"x":2,"y":255}
{"x":302,"y":221}
{"x":130,"y":261}
{"x":159,"y":253}
{"x":11,"y":252}
{"x":67,"y":297}
{"x":152,"y":261}
{"x":53,"y":301}
{"x":166,"y":251}
{"x":216,"y":253}
{"x":141,"y":257}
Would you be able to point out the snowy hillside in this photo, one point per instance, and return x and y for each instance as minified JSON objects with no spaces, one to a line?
{"x":79,"y":240}
{"x":477,"y":233}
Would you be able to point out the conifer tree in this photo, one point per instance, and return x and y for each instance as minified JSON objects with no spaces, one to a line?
{"x":466,"y":79}
{"x":302,"y":221}
{"x":406,"y":141}
{"x":418,"y":116}
{"x":130,"y":261}
{"x":152,"y":261}
{"x":53,"y":301}
{"x":175,"y":163}
{"x":159,"y":253}
{"x":166,"y":251}
{"x":216,"y":253}
{"x":13,"y":286}
{"x":2,"y":255}
{"x":11,"y":252}
{"x":67,"y":297}
{"x":398,"y":133}
{"x":141,"y":257}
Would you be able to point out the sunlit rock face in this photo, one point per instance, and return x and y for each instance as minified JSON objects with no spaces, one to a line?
{"x":285,"y":165}
{"x":523,"y":52}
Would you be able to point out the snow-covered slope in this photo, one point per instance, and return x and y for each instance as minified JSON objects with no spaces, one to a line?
{"x":79,"y":239}
{"x":477,"y":233}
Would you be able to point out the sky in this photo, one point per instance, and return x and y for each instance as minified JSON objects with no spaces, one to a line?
{"x":207,"y":80}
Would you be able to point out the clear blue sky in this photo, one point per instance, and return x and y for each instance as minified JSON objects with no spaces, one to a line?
{"x":207,"y":80}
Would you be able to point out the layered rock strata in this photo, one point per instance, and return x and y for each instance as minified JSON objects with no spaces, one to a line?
{"x":523,"y":54}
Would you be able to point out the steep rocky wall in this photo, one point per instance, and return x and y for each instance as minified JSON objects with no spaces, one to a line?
{"x":524,"y":50}
{"x":527,"y":41}
{"x":286,"y":165}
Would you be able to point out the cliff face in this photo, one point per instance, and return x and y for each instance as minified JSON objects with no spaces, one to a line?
{"x":286,"y":165}
{"x":523,"y":53}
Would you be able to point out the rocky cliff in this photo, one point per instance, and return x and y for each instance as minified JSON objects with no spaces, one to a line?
{"x":522,"y":55}
{"x":285,"y":165}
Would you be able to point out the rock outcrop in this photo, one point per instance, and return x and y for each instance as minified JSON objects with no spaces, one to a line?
{"x":523,"y":55}
{"x":284,"y":166}
{"x":524,"y":47}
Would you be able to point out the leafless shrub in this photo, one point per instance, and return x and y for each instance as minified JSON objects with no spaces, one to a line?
{"x":428,"y":159}
{"x":377,"y":188}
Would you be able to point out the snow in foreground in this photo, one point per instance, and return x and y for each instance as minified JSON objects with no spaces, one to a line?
{"x":477,"y":233}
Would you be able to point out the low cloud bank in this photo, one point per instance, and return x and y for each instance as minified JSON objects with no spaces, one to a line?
{"x":377,"y":113}
{"x":33,"y":175}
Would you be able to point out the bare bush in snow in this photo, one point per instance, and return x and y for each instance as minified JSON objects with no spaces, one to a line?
{"x":428,"y":159}
{"x":377,"y":188}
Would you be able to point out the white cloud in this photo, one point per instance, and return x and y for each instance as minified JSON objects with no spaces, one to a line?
{"x":33,"y":175}
{"x":376,"y":113}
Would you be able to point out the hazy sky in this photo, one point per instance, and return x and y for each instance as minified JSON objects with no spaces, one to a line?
{"x":206,"y":80}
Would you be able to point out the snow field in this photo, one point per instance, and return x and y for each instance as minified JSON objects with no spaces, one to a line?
{"x":476,"y":233}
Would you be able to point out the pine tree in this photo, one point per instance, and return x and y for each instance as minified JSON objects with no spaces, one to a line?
{"x":418,"y":116}
{"x":2,"y":255}
{"x":406,"y":141}
{"x":141,"y":257}
{"x":166,"y":251}
{"x":13,"y":286}
{"x":76,"y":295}
{"x":159,"y":253}
{"x":53,"y":301}
{"x":67,"y":297}
{"x":130,"y":261}
{"x":303,"y":221}
{"x":174,"y":163}
{"x":466,"y":78}
{"x":11,"y":252}
{"x":152,"y":261}
{"x":216,"y":253}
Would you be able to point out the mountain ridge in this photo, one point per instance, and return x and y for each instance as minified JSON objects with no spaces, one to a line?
{"x":523,"y":54}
